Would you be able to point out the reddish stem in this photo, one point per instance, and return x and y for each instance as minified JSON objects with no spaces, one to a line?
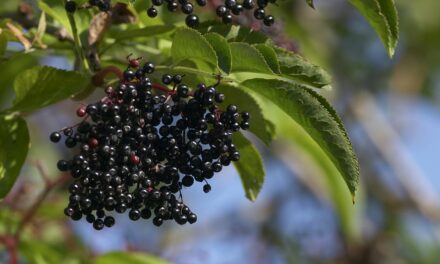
{"x":10,"y":243}
{"x":99,"y":77}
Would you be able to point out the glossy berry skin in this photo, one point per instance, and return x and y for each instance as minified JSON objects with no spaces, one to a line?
{"x":227,"y":18}
{"x":152,"y":12}
{"x":167,"y":79}
{"x":55,"y":137}
{"x":138,"y":149}
{"x":201,"y":2}
{"x":259,"y":13}
{"x":187,"y":8}
{"x":70,"y":6}
{"x":268,"y":20}
{"x":172,"y":6}
{"x":248,"y":4}
{"x":221,"y":11}
{"x":206,"y":188}
{"x":192,"y":21}
{"x":157,"y":2}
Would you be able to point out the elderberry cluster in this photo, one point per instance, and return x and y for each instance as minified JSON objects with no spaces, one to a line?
{"x":140,"y":145}
{"x":224,"y":11}
{"x":186,"y":6}
{"x":232,"y":7}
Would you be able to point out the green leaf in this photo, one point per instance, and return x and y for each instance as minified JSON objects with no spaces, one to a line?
{"x":128,"y":257}
{"x":317,"y":118}
{"x":382,"y":16}
{"x":14,"y":146}
{"x":246,"y":58}
{"x":270,"y":56}
{"x":260,"y":127}
{"x":57,"y":13}
{"x":14,"y":66}
{"x":222,"y":49}
{"x":145,"y":32}
{"x":297,"y":68}
{"x":189,"y":44}
{"x":250,"y":166}
{"x":41,"y":86}
{"x":3,"y":43}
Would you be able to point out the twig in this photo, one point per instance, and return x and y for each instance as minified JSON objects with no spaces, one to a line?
{"x":78,"y":46}
{"x":36,"y":205}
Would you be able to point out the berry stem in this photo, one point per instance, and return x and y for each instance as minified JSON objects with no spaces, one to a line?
{"x":99,"y":77}
{"x":11,"y":245}
{"x":78,"y":46}
{"x":49,"y":185}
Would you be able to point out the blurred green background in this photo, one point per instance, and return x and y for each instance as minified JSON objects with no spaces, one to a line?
{"x":304,"y":213}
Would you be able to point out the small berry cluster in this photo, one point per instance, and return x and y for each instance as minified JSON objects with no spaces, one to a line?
{"x":142,"y":143}
{"x":232,"y":7}
{"x":172,"y":5}
{"x":225,"y":11}
{"x":103,"y":5}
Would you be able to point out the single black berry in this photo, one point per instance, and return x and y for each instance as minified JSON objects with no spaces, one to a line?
{"x":192,"y":21}
{"x":206,"y":188}
{"x":55,"y":137}
{"x":269,"y":20}
{"x":70,"y":6}
{"x":152,"y":12}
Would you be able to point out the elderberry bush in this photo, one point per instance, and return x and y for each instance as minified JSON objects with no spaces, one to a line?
{"x":225,"y":11}
{"x":142,"y":143}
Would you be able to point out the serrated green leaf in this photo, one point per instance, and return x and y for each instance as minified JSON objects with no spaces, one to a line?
{"x":12,"y":68}
{"x":246,"y":58}
{"x":319,"y":169}
{"x":382,"y":16}
{"x":250,"y":166}
{"x":299,"y":69}
{"x":221,"y":47}
{"x":189,"y":44}
{"x":128,"y":257}
{"x":250,"y":36}
{"x":260,"y":127}
{"x":14,"y":146}
{"x":41,"y":86}
{"x":270,"y":56}
{"x":306,"y":108}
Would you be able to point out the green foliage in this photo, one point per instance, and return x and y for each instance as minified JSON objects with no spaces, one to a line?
{"x":261,"y":127}
{"x":250,"y":167}
{"x":382,"y":16}
{"x":41,"y":86}
{"x":128,"y":257}
{"x":14,"y":146}
{"x":317,"y":119}
{"x":248,"y":59}
{"x":191,"y":45}
{"x":222,"y":49}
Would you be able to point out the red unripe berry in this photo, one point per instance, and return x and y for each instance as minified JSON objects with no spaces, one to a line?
{"x":81,"y":112}
{"x":93,"y":142}
{"x":134,"y":63}
{"x":135,"y":159}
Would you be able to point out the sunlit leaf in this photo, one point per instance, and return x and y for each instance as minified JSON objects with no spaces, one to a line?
{"x":14,"y":146}
{"x":250,"y":166}
{"x":382,"y":16}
